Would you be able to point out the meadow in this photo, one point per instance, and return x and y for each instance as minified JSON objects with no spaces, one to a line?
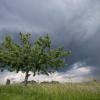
{"x":68,"y":91}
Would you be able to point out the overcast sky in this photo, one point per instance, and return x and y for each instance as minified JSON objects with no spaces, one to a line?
{"x":73,"y":24}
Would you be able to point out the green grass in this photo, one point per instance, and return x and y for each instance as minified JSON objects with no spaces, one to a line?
{"x":90,"y":91}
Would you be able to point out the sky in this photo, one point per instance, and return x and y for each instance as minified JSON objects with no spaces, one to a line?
{"x":73,"y":24}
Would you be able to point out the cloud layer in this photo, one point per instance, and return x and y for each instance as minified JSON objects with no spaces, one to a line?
{"x":78,"y":73}
{"x":73,"y":24}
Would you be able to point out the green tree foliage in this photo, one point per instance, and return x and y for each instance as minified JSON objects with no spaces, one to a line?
{"x":26,"y":56}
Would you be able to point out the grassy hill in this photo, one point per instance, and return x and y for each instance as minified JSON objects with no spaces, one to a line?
{"x":83,"y":91}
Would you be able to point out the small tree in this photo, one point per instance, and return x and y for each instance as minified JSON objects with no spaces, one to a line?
{"x":26,"y":56}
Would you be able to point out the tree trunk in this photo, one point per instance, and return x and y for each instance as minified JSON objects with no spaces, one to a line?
{"x":8,"y":82}
{"x":26,"y":78}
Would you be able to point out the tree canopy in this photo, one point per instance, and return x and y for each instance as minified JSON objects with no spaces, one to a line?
{"x":36,"y":56}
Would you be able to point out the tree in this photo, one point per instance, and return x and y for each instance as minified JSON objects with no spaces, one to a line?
{"x":37,"y":57}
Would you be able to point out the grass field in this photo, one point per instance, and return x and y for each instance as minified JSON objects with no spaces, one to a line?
{"x":83,"y":91}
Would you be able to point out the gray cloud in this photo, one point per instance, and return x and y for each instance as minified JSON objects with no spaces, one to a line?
{"x":73,"y":24}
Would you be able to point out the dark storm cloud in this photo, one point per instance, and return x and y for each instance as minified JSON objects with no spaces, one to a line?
{"x":73,"y":24}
